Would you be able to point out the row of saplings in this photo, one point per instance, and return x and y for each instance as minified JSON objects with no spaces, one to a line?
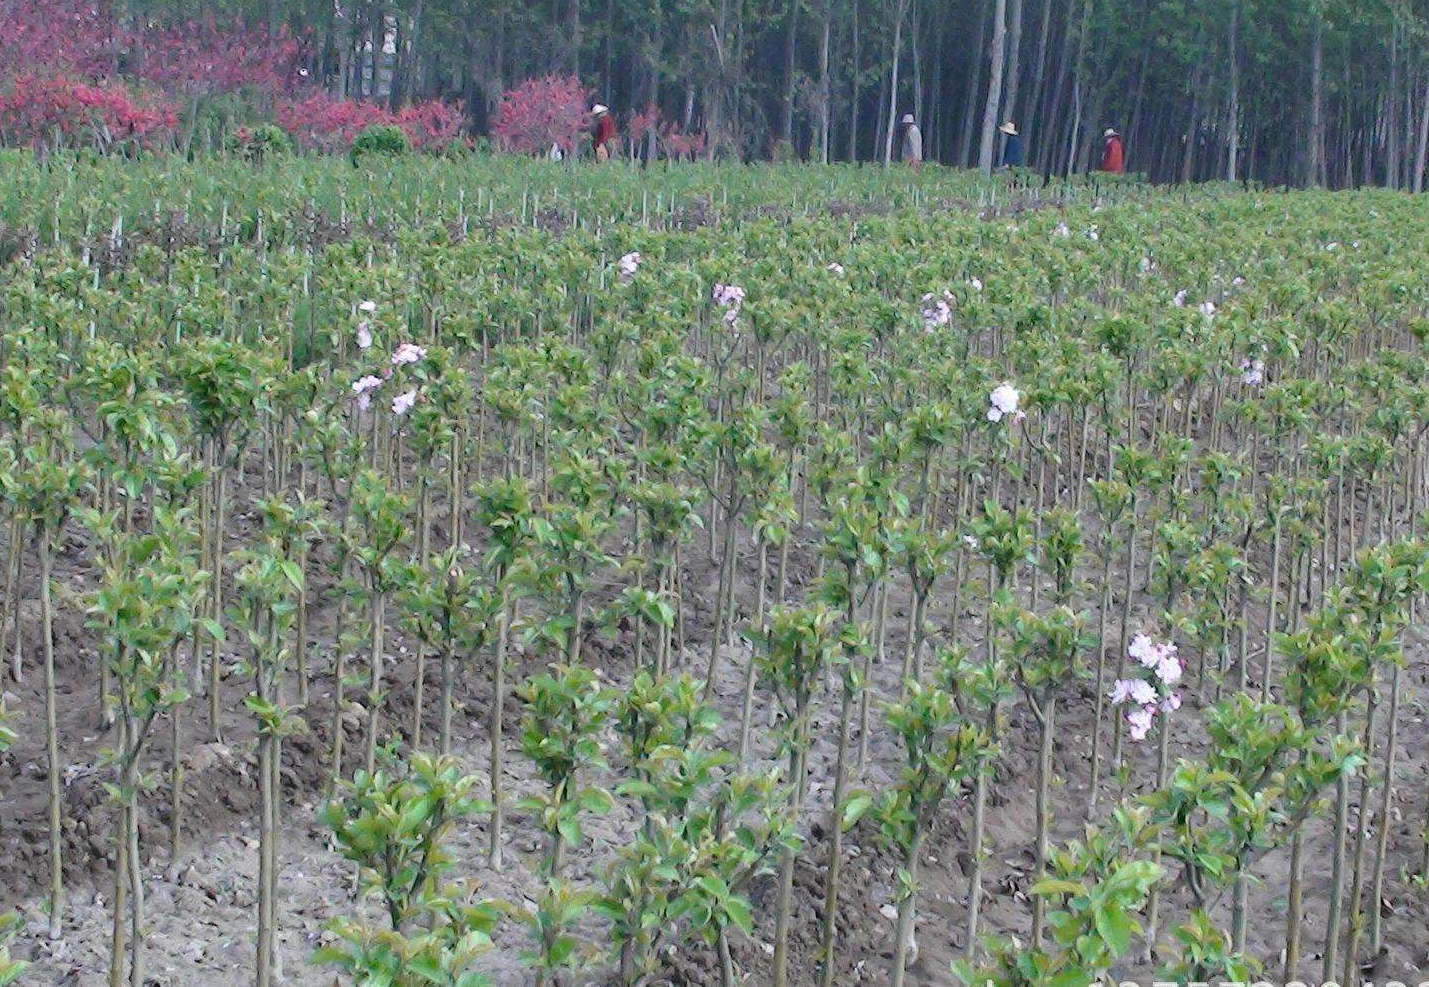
{"x":707,"y":826}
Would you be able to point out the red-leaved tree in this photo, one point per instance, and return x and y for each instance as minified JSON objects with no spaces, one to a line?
{"x":59,"y":37}
{"x":430,"y":126}
{"x":539,"y":113}
{"x":206,"y":57}
{"x":59,"y":112}
{"x":319,"y":122}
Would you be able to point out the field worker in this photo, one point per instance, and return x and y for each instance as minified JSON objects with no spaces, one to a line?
{"x":602,"y":131}
{"x":912,"y":142}
{"x":1113,"y":153}
{"x":1013,"y":154}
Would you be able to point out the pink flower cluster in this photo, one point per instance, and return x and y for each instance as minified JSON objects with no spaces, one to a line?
{"x":627,"y":266}
{"x":937,"y":310}
{"x":362,"y":389}
{"x":403,"y":402}
{"x":729,"y":297}
{"x":1151,"y":695}
{"x":403,"y":355}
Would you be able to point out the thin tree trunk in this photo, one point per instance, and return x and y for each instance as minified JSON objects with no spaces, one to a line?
{"x":907,"y":911}
{"x":1039,"y":68}
{"x":1233,"y":111}
{"x":52,"y":744}
{"x":828,"y":937}
{"x":374,"y":689}
{"x":1014,"y":59}
{"x":824,"y":90}
{"x":1423,"y":149}
{"x":893,"y":82}
{"x":1386,"y":811}
{"x":786,"y":107}
{"x":1317,"y":103}
{"x":994,"y":86}
{"x":965,"y":140}
{"x":855,"y":89}
{"x":498,"y":698}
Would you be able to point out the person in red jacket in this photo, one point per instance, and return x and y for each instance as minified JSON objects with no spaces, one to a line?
{"x":1113,"y":153}
{"x":602,"y":132}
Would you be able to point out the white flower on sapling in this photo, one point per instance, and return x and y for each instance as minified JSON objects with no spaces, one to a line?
{"x":1003,"y":402}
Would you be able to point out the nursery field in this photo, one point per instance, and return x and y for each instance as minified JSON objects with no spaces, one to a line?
{"x":466,"y":571}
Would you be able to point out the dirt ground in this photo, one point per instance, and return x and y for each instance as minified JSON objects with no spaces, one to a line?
{"x":201,"y":910}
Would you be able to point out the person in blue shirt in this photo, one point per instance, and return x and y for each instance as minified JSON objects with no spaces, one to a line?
{"x":1013,"y":156}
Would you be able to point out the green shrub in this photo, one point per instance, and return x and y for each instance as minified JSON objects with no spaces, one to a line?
{"x":379,"y":138}
{"x":263,"y":141}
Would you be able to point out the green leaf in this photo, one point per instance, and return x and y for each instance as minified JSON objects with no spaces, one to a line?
{"x":854,"y":808}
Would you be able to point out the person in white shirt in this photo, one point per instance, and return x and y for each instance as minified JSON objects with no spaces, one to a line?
{"x":912,"y":142}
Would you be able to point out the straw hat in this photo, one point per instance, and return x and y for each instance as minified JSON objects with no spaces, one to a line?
{"x":599,"y":108}
{"x":1008,"y":129}
{"x":907,"y":118}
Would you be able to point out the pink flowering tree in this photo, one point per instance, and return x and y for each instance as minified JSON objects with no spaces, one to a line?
{"x":56,"y":112}
{"x":430,"y":126}
{"x":198,"y":58}
{"x":320,"y":122}
{"x":59,"y":37}
{"x":540,"y":114}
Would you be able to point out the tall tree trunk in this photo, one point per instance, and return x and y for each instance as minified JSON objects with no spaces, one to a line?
{"x":994,"y":86}
{"x":1423,"y":149}
{"x":1316,"y":174}
{"x":1188,"y":147}
{"x":1014,"y":61}
{"x":855,"y":88}
{"x":573,"y":37}
{"x":893,"y":82}
{"x":965,"y":142}
{"x":1057,"y":98}
{"x":786,"y":108}
{"x":1233,"y":110}
{"x":1391,"y":108}
{"x":1074,"y":139}
{"x":825,"y":93}
{"x":1039,"y":66}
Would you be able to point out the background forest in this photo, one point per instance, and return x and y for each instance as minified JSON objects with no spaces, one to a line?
{"x":1331,"y":92}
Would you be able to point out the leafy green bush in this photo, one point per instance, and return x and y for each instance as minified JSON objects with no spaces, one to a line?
{"x":263,"y":141}
{"x":379,"y":139}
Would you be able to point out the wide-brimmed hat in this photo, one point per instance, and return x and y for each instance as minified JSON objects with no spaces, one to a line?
{"x":907,"y":118}
{"x":1110,"y":132}
{"x":1009,"y":129}
{"x":599,"y":108}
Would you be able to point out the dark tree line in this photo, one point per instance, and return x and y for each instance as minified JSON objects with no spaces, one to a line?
{"x":1332,"y":92}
